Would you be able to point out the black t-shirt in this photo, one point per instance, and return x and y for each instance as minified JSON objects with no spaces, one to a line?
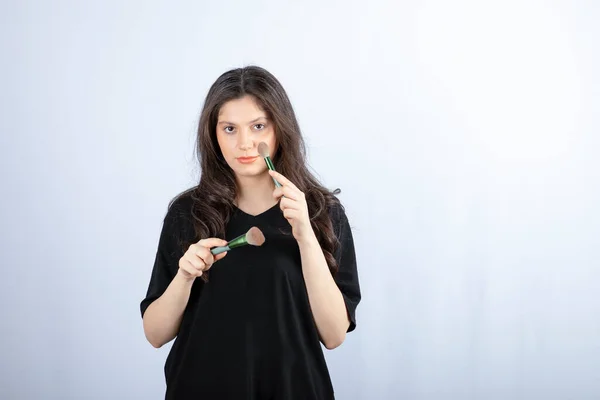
{"x":249,"y":332}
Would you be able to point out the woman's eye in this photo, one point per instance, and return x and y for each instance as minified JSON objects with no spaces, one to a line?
{"x":229,"y":129}
{"x":259,"y":126}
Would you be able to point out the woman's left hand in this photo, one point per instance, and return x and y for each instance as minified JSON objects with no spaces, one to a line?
{"x":294,"y":207}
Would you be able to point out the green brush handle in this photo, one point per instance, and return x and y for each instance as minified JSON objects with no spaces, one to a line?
{"x":232,"y":244}
{"x":238,"y":241}
{"x":219,"y":250}
{"x":272,"y":168}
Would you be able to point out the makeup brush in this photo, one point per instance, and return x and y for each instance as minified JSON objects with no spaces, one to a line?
{"x":254,"y":237}
{"x":263,"y":150}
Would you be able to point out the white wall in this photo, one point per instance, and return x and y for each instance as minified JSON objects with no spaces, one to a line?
{"x":463,"y":137}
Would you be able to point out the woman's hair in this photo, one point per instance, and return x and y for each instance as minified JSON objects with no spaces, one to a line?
{"x":213,"y":198}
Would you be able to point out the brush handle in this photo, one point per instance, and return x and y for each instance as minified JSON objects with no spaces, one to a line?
{"x":219,"y":250}
{"x":232,"y":244}
{"x":272,"y":168}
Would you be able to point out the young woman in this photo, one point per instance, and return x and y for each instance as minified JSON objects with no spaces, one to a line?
{"x":252,"y":326}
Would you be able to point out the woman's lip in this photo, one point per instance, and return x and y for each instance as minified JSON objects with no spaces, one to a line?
{"x":247,"y":160}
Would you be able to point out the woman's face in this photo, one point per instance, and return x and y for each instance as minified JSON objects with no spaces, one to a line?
{"x":241,"y":126}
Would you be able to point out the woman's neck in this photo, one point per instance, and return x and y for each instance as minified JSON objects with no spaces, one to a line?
{"x":255,"y":193}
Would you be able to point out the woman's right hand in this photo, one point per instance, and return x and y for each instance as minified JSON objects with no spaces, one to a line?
{"x":198,"y":258}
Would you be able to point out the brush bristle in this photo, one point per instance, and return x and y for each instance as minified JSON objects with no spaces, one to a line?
{"x":255,"y":237}
{"x":263,"y":149}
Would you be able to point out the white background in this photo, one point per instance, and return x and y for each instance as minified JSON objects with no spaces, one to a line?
{"x":464,"y":136}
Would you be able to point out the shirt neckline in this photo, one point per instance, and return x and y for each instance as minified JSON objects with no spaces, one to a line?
{"x":262,"y":213}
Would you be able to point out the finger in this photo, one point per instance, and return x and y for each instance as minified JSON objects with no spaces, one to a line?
{"x":278,"y":192}
{"x":220,"y":256}
{"x":292,"y":193}
{"x":197,"y":251}
{"x":287,"y":203}
{"x":212,"y":242}
{"x":289,"y":213}
{"x":281,"y":179}
{"x":188,"y":267}
{"x":196,"y":262}
{"x":289,"y":192}
{"x":205,"y":255}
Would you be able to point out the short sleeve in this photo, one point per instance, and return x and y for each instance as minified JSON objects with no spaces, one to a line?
{"x":346,"y":276}
{"x":168,"y":253}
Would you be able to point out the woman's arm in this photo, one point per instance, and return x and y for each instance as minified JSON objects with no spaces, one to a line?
{"x":326,"y":301}
{"x":162,"y":318}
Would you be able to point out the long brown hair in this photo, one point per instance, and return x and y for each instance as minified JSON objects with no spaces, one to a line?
{"x":214,"y":196}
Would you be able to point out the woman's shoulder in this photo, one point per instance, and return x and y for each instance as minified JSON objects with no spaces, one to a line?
{"x":183,"y":202}
{"x":337,"y":213}
{"x":335,"y":208}
{"x":180,"y":208}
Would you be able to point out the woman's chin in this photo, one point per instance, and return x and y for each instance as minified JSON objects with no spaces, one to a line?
{"x":249,"y":173}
